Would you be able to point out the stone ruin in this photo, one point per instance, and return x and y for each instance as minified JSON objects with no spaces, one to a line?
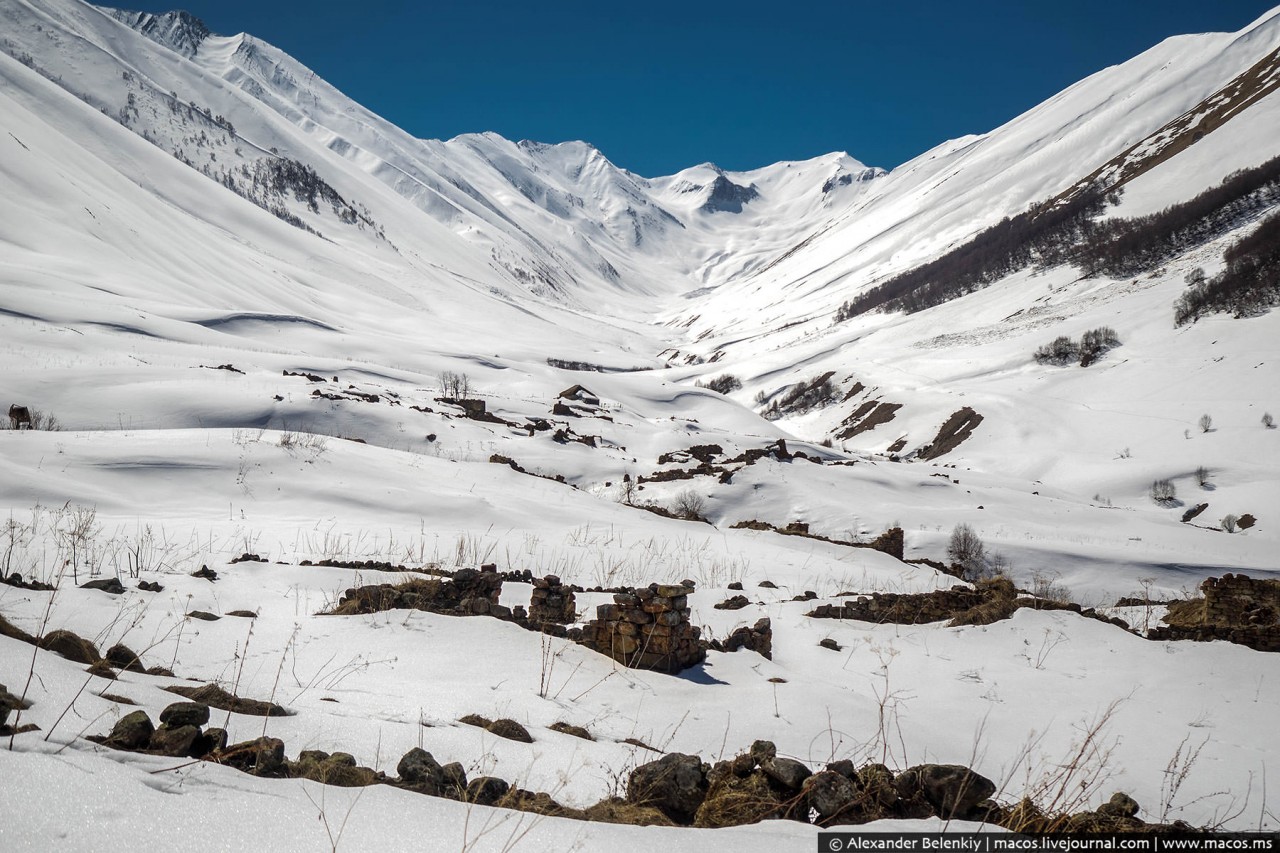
{"x":552,"y":603}
{"x":647,"y":629}
{"x":758,"y":638}
{"x":1235,"y":608}
{"x":467,"y":592}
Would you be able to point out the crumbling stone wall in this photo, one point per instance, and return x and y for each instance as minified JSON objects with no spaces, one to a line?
{"x":552,"y":602}
{"x":1235,"y":608}
{"x":468,"y":592}
{"x":647,"y":629}
{"x":903,"y":608}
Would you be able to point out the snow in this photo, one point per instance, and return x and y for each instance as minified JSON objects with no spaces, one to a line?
{"x":128,"y":278}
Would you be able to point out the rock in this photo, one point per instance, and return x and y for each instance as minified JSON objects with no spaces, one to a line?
{"x":185,"y":714}
{"x":203,"y":615}
{"x":570,"y":729}
{"x":1120,"y":805}
{"x":111,"y":585}
{"x":174,"y":741}
{"x":149,"y":586}
{"x":455,"y":777}
{"x":829,"y":643}
{"x":122,"y":657}
{"x":827,"y":792}
{"x":486,"y":790}
{"x":206,"y":573}
{"x":877,"y":784}
{"x":735,"y":602}
{"x":339,"y":769}
{"x":509,"y":729}
{"x":132,"y":731}
{"x":102,"y":669}
{"x":763,"y":750}
{"x":951,"y":789}
{"x":262,"y":756}
{"x":211,"y":740}
{"x":676,"y":784}
{"x":9,"y":703}
{"x":787,"y":772}
{"x":420,"y":769}
{"x":244,"y":614}
{"x":70,"y":646}
{"x":736,"y":585}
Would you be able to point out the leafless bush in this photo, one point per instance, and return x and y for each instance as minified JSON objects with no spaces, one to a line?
{"x":966,"y":550}
{"x":1229,"y":522}
{"x":1202,"y":476}
{"x":1268,"y":422}
{"x":1205,"y":423}
{"x":689,"y":504}
{"x":725,"y":384}
{"x":1163,"y":491}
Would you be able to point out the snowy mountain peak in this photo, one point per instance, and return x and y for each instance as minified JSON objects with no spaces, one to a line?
{"x":179,"y":31}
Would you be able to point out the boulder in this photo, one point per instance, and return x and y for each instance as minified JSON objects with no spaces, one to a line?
{"x":486,"y":790}
{"x":787,"y":772}
{"x":185,"y":714}
{"x":675,"y":784}
{"x":509,"y":729}
{"x":122,"y":657}
{"x":262,"y":756}
{"x":1120,"y":805}
{"x":175,"y":741}
{"x":132,"y":731}
{"x":827,"y":792}
{"x":951,"y":789}
{"x":420,"y":769}
{"x":111,"y":585}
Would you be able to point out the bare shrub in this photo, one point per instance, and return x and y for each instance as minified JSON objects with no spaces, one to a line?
{"x":966,"y":550}
{"x":456,"y":386}
{"x":689,"y":504}
{"x":1163,"y":491}
{"x":1062,"y":351}
{"x":1229,"y":522}
{"x":1202,"y":476}
{"x":1268,"y":422}
{"x":1096,"y":342}
{"x":1205,"y":423}
{"x":726,"y":384}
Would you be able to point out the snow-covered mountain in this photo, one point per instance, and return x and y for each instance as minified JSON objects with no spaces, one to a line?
{"x":214,"y":267}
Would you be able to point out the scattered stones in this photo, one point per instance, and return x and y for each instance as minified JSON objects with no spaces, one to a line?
{"x":467,"y":592}
{"x":247,"y":558}
{"x":150,"y":586}
{"x":647,"y":630}
{"x":734,"y":602}
{"x":206,"y":573}
{"x":111,"y":585}
{"x":735,"y":585}
{"x":262,"y":756}
{"x":339,"y":769}
{"x":175,"y":741}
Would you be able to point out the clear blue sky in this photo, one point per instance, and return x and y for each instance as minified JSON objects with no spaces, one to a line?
{"x":659,"y":85}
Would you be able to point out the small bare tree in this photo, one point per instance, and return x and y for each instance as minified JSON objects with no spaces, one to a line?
{"x":1163,"y":491}
{"x":456,"y":386}
{"x":689,"y":504}
{"x":1206,"y":423}
{"x":1202,"y":477}
{"x":966,"y":550}
{"x":1268,"y":422}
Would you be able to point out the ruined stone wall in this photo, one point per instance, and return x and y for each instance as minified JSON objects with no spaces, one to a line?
{"x":551,"y":603}
{"x":647,"y":629}
{"x":903,"y":609}
{"x":1235,"y":608}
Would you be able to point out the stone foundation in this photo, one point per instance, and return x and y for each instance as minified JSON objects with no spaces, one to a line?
{"x":647,"y":629}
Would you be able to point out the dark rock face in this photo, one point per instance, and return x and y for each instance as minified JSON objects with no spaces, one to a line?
{"x":675,"y":784}
{"x":727,"y":197}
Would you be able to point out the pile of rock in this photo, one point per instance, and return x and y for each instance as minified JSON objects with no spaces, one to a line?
{"x":647,"y":629}
{"x":551,"y":603}
{"x":758,"y":638}
{"x":467,"y":592}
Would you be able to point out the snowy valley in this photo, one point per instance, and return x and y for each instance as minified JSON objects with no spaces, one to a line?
{"x":318,"y":407}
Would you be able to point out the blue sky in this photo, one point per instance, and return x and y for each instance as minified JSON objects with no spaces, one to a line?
{"x":662,"y":85}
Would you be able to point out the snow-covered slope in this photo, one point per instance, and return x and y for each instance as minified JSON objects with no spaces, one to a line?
{"x":215,"y":267}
